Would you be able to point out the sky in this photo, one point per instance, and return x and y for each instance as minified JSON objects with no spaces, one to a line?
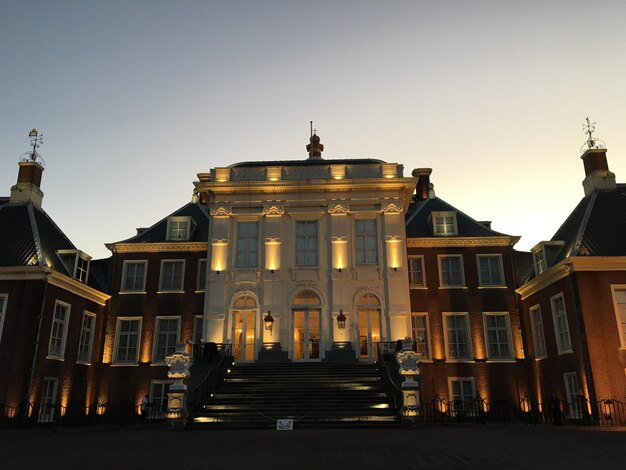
{"x":134,"y":98}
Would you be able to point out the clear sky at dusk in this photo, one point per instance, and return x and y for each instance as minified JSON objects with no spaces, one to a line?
{"x":134,"y":98}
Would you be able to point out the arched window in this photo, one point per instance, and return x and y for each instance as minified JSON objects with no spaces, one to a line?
{"x":244,"y":302}
{"x":307,"y":297}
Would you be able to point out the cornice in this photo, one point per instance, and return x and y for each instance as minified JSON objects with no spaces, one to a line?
{"x":548,"y":277}
{"x":598,"y":263}
{"x":444,"y":242}
{"x":159,"y":247}
{"x":43,"y":273}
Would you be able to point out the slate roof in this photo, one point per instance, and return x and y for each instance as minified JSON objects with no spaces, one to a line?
{"x":596,"y":227}
{"x":419,"y":225}
{"x":158,"y":232}
{"x":312,"y":162}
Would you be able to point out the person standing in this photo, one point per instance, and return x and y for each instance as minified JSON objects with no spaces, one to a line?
{"x":555,"y":409}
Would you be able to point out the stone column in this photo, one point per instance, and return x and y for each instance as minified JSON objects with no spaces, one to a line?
{"x":179,"y":364}
{"x":411,"y":411}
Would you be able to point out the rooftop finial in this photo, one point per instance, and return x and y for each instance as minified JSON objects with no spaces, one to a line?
{"x":314,"y":148}
{"x":592,"y":143}
{"x":36,"y":139}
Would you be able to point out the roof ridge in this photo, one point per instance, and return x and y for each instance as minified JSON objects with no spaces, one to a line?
{"x":583,"y":224}
{"x":35,"y":232}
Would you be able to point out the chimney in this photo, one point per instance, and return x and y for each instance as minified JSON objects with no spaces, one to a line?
{"x":597,"y":174}
{"x":423,"y":183}
{"x":28,"y":181}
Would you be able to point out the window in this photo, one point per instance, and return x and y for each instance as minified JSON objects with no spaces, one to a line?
{"x":366,"y":242}
{"x":451,"y":271}
{"x":444,"y":223}
{"x":85,"y":343}
{"x":76,"y":262}
{"x":619,"y":299}
{"x":165,"y":338}
{"x":197,"y":329}
{"x":561,"y":328}
{"x":47,"y":404}
{"x":158,"y":398}
{"x":572,"y":395}
{"x":419,"y":329}
{"x":178,"y":228}
{"x":247,"y":245}
{"x":536,"y":324}
{"x":172,"y":275}
{"x":58,"y":332}
{"x":4,"y":299}
{"x":458,"y":346}
{"x":416,"y":272}
{"x":490,"y":270}
{"x":127,"y":340}
{"x":498,"y":336}
{"x":539,"y":260}
{"x":201,"y":284}
{"x":462,"y":392}
{"x":134,"y":276}
{"x":306,"y":243}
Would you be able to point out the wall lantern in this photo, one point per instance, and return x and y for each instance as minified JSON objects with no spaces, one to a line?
{"x":341,"y":320}
{"x":269,"y":321}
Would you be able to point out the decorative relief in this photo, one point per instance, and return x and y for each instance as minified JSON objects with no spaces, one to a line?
{"x":392,"y":207}
{"x":338,"y":208}
{"x":273,"y":209}
{"x":218,"y":210}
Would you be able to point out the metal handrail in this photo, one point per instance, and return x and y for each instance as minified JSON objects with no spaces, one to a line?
{"x":212,"y":375}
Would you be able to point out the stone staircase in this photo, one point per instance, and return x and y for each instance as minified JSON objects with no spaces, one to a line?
{"x":314,"y":395}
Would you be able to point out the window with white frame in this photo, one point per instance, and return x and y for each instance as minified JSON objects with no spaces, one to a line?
{"x":127,"y":340}
{"x":158,"y":398}
{"x":416,"y":271}
{"x":172,"y":275}
{"x":444,"y":223}
{"x":366,"y":241}
{"x":572,"y":395}
{"x":458,"y":345}
{"x":85,"y":343}
{"x":490,"y":270}
{"x":619,"y":301}
{"x":201,"y":279}
{"x":58,"y":331}
{"x":451,"y":272}
{"x":561,"y":327}
{"x":134,"y":276}
{"x":306,"y":243}
{"x":48,"y":401}
{"x":178,"y":228}
{"x":539,"y":260}
{"x":421,"y":334}
{"x":539,"y":339}
{"x":462,"y":392}
{"x":76,"y":262}
{"x":247,"y":255}
{"x":4,"y":299}
{"x":498,"y":336}
{"x":165,"y":338}
{"x":197,"y":328}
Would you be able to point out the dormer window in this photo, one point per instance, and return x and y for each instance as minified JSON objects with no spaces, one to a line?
{"x":178,"y":228}
{"x":444,"y":223}
{"x":76,"y":262}
{"x":539,"y":260}
{"x":542,"y":251}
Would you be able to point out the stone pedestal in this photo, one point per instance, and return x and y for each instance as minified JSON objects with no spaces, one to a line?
{"x":179,"y":364}
{"x":411,"y":411}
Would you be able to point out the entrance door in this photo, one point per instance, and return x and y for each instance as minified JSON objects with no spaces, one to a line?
{"x":369,"y":326}
{"x":243,"y":335}
{"x":306,"y":335}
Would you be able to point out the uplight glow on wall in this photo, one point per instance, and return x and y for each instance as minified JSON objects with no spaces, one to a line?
{"x":272,"y":254}
{"x":340,"y":253}
{"x":219,"y":255}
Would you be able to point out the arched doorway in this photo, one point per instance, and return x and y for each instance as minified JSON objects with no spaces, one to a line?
{"x":306,"y":321}
{"x":245,"y":311}
{"x":368,"y":325}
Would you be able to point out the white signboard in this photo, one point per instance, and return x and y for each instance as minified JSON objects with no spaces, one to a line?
{"x":284,"y":424}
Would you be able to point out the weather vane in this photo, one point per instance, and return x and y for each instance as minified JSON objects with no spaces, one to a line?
{"x":592,"y":142}
{"x":36,"y":139}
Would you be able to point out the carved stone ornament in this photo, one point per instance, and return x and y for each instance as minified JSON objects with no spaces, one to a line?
{"x":179,"y":364}
{"x":393,"y":207}
{"x":408,"y":360}
{"x":217,"y":210}
{"x":339,"y":208}
{"x":273,"y":209}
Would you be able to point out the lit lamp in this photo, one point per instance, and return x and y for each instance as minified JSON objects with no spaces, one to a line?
{"x":269,"y":321}
{"x":341,"y":320}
